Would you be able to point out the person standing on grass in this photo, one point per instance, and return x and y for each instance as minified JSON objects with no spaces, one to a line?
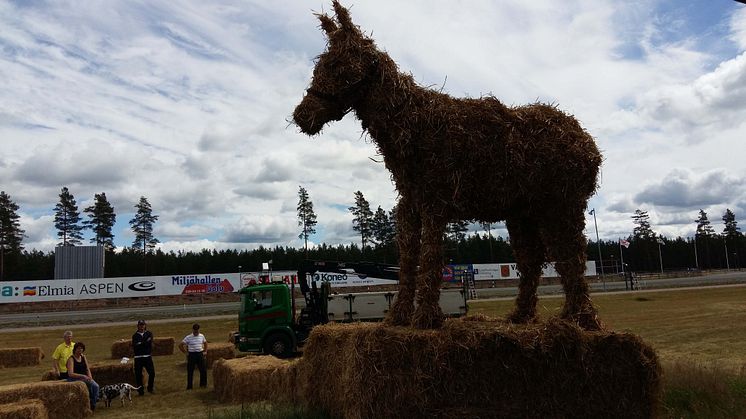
{"x":61,"y":354}
{"x":78,"y":370}
{"x":195,"y":346}
{"x":142,"y":345}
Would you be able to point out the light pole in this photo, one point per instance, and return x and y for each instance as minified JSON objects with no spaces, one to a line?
{"x":696,"y":259}
{"x":240,"y":282}
{"x":598,"y":242}
{"x":727,"y":263}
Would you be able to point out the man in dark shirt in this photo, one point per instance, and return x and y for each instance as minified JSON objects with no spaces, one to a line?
{"x":142,"y":344}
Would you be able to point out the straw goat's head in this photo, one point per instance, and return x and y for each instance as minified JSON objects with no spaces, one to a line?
{"x":342,"y":74}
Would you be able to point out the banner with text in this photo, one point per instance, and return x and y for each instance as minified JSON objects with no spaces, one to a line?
{"x":144,"y":286}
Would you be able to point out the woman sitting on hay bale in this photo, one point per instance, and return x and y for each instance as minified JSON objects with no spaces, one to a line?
{"x":78,"y":370}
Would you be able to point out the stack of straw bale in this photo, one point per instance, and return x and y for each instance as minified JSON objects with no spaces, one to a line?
{"x":24,"y":409}
{"x":216,"y":351}
{"x":123,"y":348}
{"x":255,"y":378}
{"x":62,"y":399}
{"x":20,"y":357}
{"x":477,"y":369}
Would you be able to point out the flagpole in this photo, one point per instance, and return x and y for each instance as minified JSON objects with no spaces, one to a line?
{"x":598,"y":242}
{"x":660,"y":255}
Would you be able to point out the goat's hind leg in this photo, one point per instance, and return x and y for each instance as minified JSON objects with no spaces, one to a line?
{"x":529,"y":252}
{"x":567,"y":247}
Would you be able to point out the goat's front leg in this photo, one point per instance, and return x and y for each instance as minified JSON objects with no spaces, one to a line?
{"x":408,"y":228}
{"x":428,"y":314}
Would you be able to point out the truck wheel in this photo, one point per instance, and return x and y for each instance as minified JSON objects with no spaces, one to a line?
{"x":278,"y":345}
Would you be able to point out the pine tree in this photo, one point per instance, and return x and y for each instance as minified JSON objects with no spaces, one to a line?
{"x":643,"y":230}
{"x":362,"y":218}
{"x":67,"y":219}
{"x":142,"y":226}
{"x":456,"y":231}
{"x":704,"y":229}
{"x":101,"y":221}
{"x":382,"y":228}
{"x":306,"y":217}
{"x":11,"y":234}
{"x":731,"y":230}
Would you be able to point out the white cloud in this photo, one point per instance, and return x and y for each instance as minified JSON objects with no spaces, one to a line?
{"x":188,"y":103}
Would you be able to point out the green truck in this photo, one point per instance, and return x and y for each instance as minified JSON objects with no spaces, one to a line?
{"x":269,"y":321}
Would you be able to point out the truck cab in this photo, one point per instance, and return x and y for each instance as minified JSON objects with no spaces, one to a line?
{"x":265,"y":320}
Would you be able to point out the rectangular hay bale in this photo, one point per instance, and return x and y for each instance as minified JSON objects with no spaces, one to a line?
{"x":482,"y":369}
{"x":216,"y":351}
{"x":255,"y":378}
{"x":123,"y":348}
{"x":61,"y":399}
{"x":24,"y":409}
{"x":104,"y":373}
{"x":113,"y":373}
{"x":20,"y":357}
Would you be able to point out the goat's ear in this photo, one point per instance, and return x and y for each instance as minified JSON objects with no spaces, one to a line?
{"x":343,"y":16}
{"x":327,"y":24}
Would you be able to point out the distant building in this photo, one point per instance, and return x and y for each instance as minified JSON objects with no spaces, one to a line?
{"x":78,"y":262}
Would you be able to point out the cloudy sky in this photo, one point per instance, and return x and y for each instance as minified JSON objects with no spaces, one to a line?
{"x":187,"y":103}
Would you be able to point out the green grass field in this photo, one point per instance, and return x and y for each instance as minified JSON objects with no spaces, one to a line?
{"x":698,"y":334}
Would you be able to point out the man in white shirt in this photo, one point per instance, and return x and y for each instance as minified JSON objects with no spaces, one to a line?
{"x":195,"y":346}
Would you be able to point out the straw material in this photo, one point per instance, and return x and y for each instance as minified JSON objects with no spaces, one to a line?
{"x":123,"y":347}
{"x":20,"y":357}
{"x":255,"y":378}
{"x":218,"y":351}
{"x":532,"y":166}
{"x":113,"y":373}
{"x":485,"y":369}
{"x":24,"y":409}
{"x":62,"y":399}
{"x":104,"y":373}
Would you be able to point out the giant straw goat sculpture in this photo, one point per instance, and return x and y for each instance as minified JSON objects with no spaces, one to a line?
{"x":452,"y":159}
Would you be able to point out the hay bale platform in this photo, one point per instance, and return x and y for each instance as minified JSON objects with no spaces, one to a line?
{"x":20,"y":357}
{"x":478,"y":368}
{"x":472,"y":367}
{"x":123,"y":348}
{"x":255,"y":378}
{"x":61,"y":399}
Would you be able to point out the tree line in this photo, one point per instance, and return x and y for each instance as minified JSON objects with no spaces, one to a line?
{"x":16,"y":262}
{"x":641,"y":251}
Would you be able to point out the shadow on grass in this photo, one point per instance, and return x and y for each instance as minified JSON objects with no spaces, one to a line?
{"x":264,"y":411}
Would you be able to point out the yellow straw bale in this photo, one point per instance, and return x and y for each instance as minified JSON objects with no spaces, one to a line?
{"x":20,"y":357}
{"x":255,"y":378}
{"x":113,"y":373}
{"x":24,"y":409}
{"x":217,"y":351}
{"x":104,"y":373}
{"x":123,"y":348}
{"x":62,"y":399}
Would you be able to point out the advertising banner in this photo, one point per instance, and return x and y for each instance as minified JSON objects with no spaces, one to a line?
{"x":497,"y":271}
{"x":144,"y":286}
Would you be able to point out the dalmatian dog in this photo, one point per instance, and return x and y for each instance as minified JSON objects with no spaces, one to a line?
{"x":110,"y":392}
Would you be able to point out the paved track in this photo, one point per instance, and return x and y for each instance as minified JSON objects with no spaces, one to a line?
{"x":124,"y":316}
